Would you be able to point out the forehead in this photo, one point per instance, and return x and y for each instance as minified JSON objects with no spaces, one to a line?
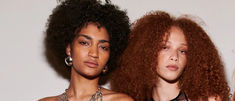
{"x":94,"y":31}
{"x":175,"y":34}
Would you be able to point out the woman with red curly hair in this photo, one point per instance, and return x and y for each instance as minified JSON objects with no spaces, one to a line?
{"x":170,"y":59}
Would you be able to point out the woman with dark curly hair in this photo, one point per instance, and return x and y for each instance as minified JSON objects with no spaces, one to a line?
{"x":170,"y":59}
{"x":89,"y":37}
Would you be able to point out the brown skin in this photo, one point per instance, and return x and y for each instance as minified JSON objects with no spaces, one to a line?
{"x":108,"y":95}
{"x":203,"y":75}
{"x":90,"y":53}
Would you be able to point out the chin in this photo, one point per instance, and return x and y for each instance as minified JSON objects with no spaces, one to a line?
{"x":91,"y":75}
{"x":171,"y":79}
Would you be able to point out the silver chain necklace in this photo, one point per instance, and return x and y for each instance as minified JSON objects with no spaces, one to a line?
{"x":95,"y":97}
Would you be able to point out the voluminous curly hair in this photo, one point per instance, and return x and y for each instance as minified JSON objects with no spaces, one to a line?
{"x":203,"y":75}
{"x":70,"y":16}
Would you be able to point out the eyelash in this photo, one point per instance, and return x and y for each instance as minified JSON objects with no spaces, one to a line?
{"x":181,"y":51}
{"x":164,"y":47}
{"x":104,"y":48}
{"x":84,"y":43}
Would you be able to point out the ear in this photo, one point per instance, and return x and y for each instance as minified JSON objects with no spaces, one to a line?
{"x":68,"y":50}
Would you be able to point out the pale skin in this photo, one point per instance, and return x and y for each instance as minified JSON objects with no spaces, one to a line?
{"x":171,"y":62}
{"x":90,"y":53}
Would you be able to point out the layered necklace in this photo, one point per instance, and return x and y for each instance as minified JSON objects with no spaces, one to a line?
{"x":95,"y":97}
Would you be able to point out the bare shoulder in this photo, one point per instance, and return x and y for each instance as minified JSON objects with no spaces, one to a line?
{"x":109,"y":95}
{"x":52,"y":98}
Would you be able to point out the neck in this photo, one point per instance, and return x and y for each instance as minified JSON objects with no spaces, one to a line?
{"x":81,"y":86}
{"x":165,"y":91}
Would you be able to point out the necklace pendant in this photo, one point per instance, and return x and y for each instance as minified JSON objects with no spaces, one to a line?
{"x":97,"y":96}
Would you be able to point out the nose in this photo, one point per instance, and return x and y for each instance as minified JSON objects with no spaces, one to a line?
{"x":93,"y":52}
{"x":174,"y":56}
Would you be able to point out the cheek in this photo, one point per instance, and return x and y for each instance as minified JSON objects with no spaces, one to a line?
{"x":161,"y":59}
{"x":79,"y":53}
{"x":160,"y":63}
{"x":104,"y":57}
{"x":183,"y":61}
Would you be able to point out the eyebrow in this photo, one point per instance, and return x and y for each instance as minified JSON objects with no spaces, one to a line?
{"x":180,"y":44}
{"x":104,"y":41}
{"x":184,"y":44}
{"x":89,"y":38}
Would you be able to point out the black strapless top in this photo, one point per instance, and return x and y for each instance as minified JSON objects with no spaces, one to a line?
{"x":181,"y":97}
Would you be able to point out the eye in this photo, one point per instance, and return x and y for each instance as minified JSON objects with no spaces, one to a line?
{"x":105,"y":48}
{"x":164,"y":47}
{"x":183,"y":51}
{"x":84,"y":43}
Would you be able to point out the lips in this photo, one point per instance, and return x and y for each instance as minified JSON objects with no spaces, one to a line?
{"x":172,"y":67}
{"x":91,"y":64}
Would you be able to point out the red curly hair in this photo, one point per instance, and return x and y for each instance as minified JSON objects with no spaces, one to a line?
{"x":203,"y":75}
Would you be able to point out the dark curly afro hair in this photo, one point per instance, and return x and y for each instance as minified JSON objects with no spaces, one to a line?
{"x":203,"y":75}
{"x":72,"y":15}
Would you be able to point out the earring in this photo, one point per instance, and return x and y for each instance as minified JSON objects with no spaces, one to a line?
{"x":105,"y":69}
{"x":68,"y":61}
